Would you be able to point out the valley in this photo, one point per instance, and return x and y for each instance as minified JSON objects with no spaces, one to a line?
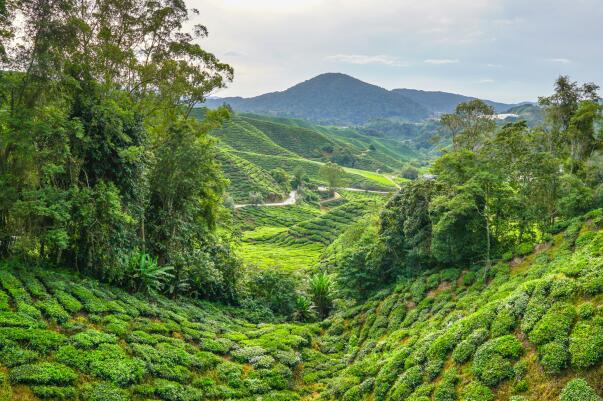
{"x":323,"y":239}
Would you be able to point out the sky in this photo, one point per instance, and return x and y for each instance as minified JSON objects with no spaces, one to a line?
{"x":504,"y":50}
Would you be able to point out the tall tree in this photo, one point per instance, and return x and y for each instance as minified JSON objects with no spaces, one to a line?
{"x":332,"y":174}
{"x":470,"y":124}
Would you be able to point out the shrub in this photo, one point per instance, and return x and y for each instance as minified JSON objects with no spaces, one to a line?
{"x":524,"y":249}
{"x":104,"y":392}
{"x":43,"y":373}
{"x":108,"y":362}
{"x":13,"y":355}
{"x":92,"y":338}
{"x":203,"y":360}
{"x":142,"y":337}
{"x":554,"y":325}
{"x":586,"y":310}
{"x":492,"y":364}
{"x":407,"y":382}
{"x":469,"y":278}
{"x":586,"y":345}
{"x":53,"y":310}
{"x":37,"y":339}
{"x":389,"y":372}
{"x":554,"y":357}
{"x":229,"y":373}
{"x":578,"y":390}
{"x":446,"y":389}
{"x":69,"y":302}
{"x":275,"y":289}
{"x":466,"y":348}
{"x":521,"y":386}
{"x":503,"y":323}
{"x":54,"y":392}
{"x":476,"y":391}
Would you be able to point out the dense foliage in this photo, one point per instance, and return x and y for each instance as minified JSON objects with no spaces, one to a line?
{"x":99,"y":163}
{"x":495,"y":192}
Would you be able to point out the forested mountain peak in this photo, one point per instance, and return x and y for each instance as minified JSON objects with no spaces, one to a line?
{"x":340,"y":99}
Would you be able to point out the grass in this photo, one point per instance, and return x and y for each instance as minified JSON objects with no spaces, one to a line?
{"x":291,"y":258}
{"x":376,"y":177}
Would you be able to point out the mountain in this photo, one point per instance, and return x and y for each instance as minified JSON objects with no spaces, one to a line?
{"x":439,"y":102}
{"x":330,"y":98}
{"x":529,"y":112}
{"x":339,"y":99}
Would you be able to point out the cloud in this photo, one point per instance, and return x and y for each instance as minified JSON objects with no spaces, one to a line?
{"x":234,"y":53}
{"x":559,"y":60}
{"x":486,"y":81}
{"x":438,"y":61}
{"x":508,"y":21}
{"x":363,"y":59}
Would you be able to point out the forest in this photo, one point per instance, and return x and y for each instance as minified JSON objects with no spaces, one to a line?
{"x":148,"y":250}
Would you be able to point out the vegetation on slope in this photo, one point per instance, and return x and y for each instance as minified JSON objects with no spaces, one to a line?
{"x":247,"y":178}
{"x":520,"y":330}
{"x":64,"y":337}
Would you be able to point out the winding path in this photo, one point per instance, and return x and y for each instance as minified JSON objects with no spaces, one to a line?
{"x":292,"y":199}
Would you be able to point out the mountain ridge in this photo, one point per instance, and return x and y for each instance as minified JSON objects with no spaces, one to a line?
{"x":340,"y":99}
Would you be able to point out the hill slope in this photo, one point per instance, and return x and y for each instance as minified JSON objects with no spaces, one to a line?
{"x":528,"y":330}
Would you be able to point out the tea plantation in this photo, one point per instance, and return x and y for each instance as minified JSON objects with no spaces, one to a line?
{"x":65,"y":337}
{"x":529,"y":329}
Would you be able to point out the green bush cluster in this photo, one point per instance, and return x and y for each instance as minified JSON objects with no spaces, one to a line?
{"x":578,"y":390}
{"x":586,"y":344}
{"x":492,"y":361}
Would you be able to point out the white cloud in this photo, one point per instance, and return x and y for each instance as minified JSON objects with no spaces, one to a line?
{"x":234,"y":53}
{"x":441,"y":61}
{"x":559,"y":60}
{"x":486,"y":81}
{"x":382,"y":59}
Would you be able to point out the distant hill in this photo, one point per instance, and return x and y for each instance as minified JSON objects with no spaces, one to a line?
{"x":529,"y":112}
{"x":330,"y":99}
{"x":439,"y":102}
{"x":339,"y":99}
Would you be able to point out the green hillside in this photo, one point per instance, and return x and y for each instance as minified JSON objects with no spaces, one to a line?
{"x":241,"y":135}
{"x":311,"y":170}
{"x":519,"y":331}
{"x":66,"y":337}
{"x":246,"y":177}
{"x":304,"y":142}
{"x":524,"y":330}
{"x":254,"y":146}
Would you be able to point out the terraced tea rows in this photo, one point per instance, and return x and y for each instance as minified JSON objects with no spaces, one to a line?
{"x":285,"y":216}
{"x":245,"y":177}
{"x":239,"y":134}
{"x":531,"y":330}
{"x":302,"y":141}
{"x":65,"y":337}
{"x":310,"y":169}
{"x":322,"y":229}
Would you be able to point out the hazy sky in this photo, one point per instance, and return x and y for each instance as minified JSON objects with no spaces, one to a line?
{"x":507,"y":50}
